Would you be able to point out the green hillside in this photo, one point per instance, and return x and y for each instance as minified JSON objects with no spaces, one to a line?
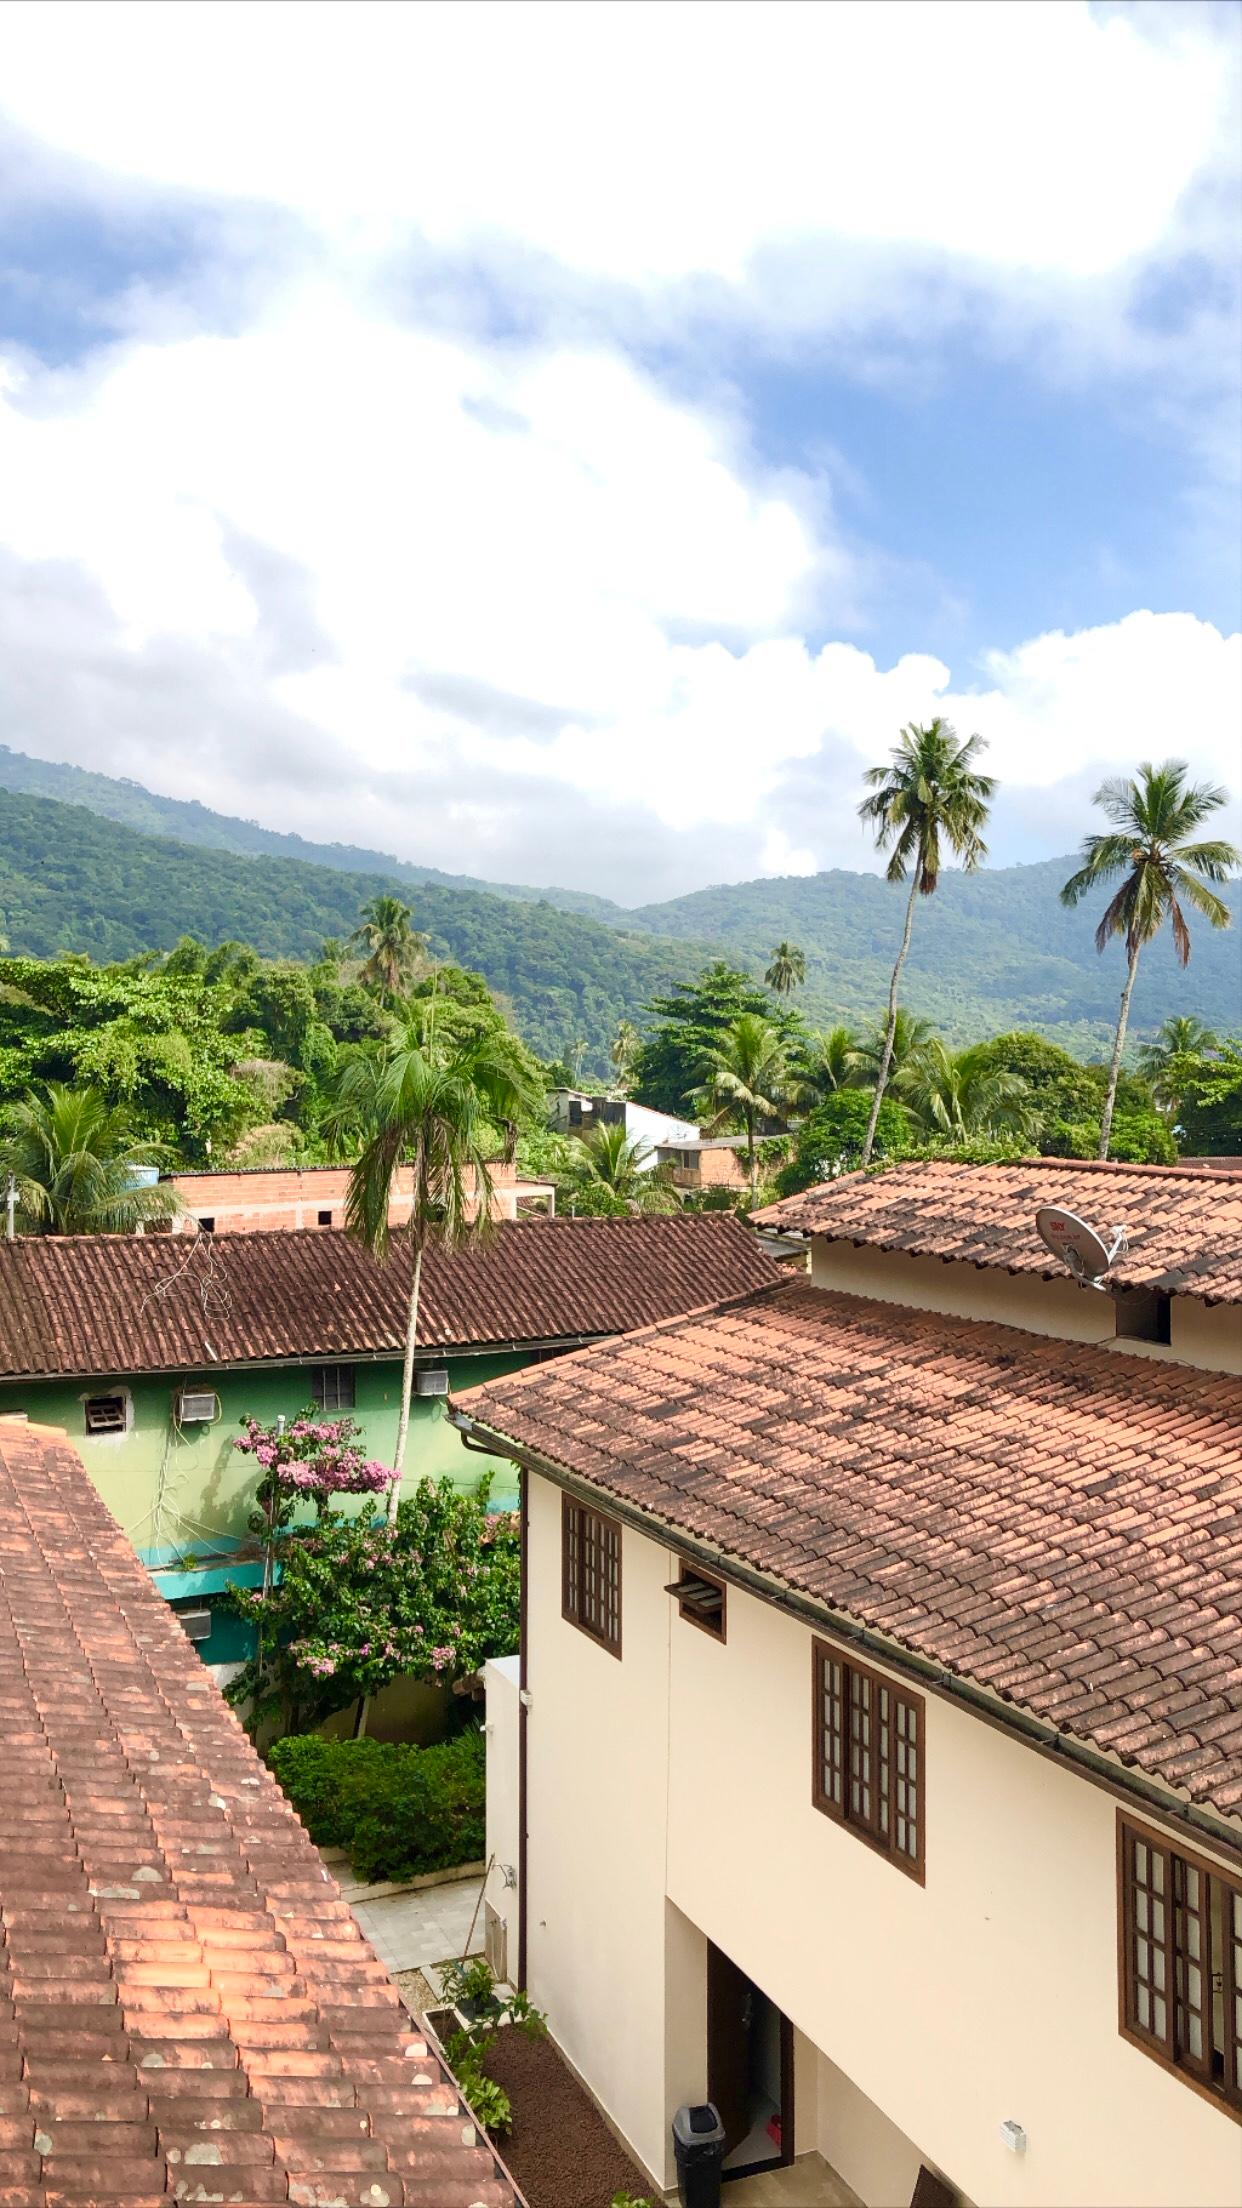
{"x":992,"y":951}
{"x":189,"y":822}
{"x":72,"y":881}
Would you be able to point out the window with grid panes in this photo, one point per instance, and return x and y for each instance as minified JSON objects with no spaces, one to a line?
{"x":591,"y":1573}
{"x":868,"y":1748}
{"x":1181,"y":1924}
{"x":333,"y":1387}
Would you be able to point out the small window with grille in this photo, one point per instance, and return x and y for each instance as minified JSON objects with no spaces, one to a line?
{"x":700,"y":1599}
{"x":106,"y":1414}
{"x":591,"y":1573}
{"x":1181,"y":1937}
{"x":325,"y":1218}
{"x":332,"y":1387}
{"x":868,"y":1744}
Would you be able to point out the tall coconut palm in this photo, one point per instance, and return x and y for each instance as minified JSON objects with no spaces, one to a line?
{"x":930,"y":796}
{"x":959,"y":1094}
{"x":428,"y":1107}
{"x":76,"y":1163}
{"x":829,"y":1061}
{"x":615,"y":1175}
{"x":1156,"y":847}
{"x":747,"y":1079}
{"x":626,"y":1044}
{"x":1178,"y":1040}
{"x":787,"y":970}
{"x":393,"y":948}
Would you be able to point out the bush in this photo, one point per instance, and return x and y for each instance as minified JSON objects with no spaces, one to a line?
{"x":1137,"y":1138}
{"x":396,"y":1810}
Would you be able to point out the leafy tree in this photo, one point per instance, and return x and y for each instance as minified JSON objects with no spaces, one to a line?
{"x":425,"y":1104}
{"x":787,"y":970}
{"x":831,"y":1138}
{"x":747,"y":1081}
{"x":392,"y":947}
{"x":931,"y":795}
{"x":613,"y":1177}
{"x":1060,"y":1087}
{"x":957,"y":1095}
{"x":825,"y":1063}
{"x":1138,"y":1138}
{"x":1156,"y":847}
{"x":75,"y":1161}
{"x":688,"y":1023}
{"x":1176,"y":1040}
{"x":1209,"y":1088}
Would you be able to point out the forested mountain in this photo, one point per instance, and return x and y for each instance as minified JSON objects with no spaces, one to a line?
{"x":189,"y":822}
{"x":72,"y":881}
{"x":992,"y":951}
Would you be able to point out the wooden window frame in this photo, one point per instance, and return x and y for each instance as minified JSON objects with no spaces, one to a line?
{"x":688,"y":1571}
{"x":1194,"y":2071}
{"x":599,"y":1620}
{"x":876,"y":1824}
{"x":319,"y":1391}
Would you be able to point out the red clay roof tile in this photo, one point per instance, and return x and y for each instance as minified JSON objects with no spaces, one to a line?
{"x":83,"y":1304}
{"x":1183,"y":1222}
{"x":132,"y":2066}
{"x":939,"y":1480}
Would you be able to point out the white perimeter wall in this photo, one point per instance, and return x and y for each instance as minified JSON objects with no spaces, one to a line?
{"x":669,"y":1803}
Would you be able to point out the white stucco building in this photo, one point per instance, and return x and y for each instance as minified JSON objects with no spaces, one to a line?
{"x":874,"y":1762}
{"x":573,"y":1112}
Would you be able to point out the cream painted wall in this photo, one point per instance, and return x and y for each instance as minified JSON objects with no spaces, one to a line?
{"x":682,"y":1774}
{"x":1209,"y":1338}
{"x":876,"y":2160}
{"x":500,"y":1681}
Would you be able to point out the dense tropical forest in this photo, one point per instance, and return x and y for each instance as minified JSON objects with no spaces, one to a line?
{"x":123,"y":871}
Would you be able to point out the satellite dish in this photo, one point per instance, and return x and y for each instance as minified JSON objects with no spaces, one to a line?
{"x":1078,"y":1246}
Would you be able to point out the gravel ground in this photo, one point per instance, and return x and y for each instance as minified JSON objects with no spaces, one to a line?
{"x":560,"y":2150}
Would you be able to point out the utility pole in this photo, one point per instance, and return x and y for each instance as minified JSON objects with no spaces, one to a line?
{"x":10,"y":1207}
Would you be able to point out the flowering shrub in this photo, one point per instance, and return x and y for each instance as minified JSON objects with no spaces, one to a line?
{"x":311,"y":1459}
{"x":358,"y":1602}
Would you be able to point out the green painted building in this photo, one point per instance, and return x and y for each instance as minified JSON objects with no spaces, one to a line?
{"x":149,"y":1351}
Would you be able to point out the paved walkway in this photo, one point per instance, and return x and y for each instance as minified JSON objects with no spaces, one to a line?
{"x":806,"y":2183}
{"x":408,"y":1931}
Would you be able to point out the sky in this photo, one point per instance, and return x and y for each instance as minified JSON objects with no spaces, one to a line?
{"x":567,"y":442}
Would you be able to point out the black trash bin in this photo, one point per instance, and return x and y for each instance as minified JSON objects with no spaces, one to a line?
{"x":699,"y":2145}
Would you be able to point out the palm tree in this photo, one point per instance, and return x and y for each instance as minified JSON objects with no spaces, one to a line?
{"x":76,"y":1163}
{"x":911,"y":1036}
{"x":747,"y":1080}
{"x":614,"y":1174}
{"x":829,"y":1062}
{"x":931,"y":794}
{"x":428,"y":1106}
{"x":787,"y":970}
{"x":1181,"y":1037}
{"x":959,"y":1094}
{"x":1155,"y":847}
{"x":626,"y":1044}
{"x":393,"y":948}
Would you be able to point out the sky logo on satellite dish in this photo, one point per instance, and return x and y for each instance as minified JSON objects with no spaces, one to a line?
{"x":1079,"y":1246}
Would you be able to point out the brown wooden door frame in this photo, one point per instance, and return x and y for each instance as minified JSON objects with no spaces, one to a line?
{"x":727,"y":2048}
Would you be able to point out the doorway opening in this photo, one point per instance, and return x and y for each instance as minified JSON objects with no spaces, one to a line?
{"x":749,"y":2069}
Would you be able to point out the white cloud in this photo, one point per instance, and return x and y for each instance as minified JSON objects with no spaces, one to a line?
{"x":645,"y":143}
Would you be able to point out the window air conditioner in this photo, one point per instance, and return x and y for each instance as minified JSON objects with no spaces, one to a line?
{"x":195,"y":1623}
{"x":431,"y":1382}
{"x":196,"y":1406}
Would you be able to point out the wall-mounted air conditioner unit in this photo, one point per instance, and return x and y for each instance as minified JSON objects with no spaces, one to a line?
{"x":431,"y":1382}
{"x":196,"y":1406}
{"x":195,"y":1623}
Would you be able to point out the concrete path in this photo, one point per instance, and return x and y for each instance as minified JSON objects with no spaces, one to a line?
{"x":408,"y":1931}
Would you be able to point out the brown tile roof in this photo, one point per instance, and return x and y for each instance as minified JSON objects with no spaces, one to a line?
{"x":158,"y":1303}
{"x":188,"y":2010}
{"x":1184,"y":1222}
{"x":1059,"y":1524}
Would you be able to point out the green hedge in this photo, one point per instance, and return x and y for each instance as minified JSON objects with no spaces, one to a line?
{"x":396,"y":1810}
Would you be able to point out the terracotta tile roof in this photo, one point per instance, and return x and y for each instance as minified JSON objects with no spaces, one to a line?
{"x":158,"y":1303}
{"x":188,"y":2010}
{"x":1057,"y":1523}
{"x":1184,"y":1222}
